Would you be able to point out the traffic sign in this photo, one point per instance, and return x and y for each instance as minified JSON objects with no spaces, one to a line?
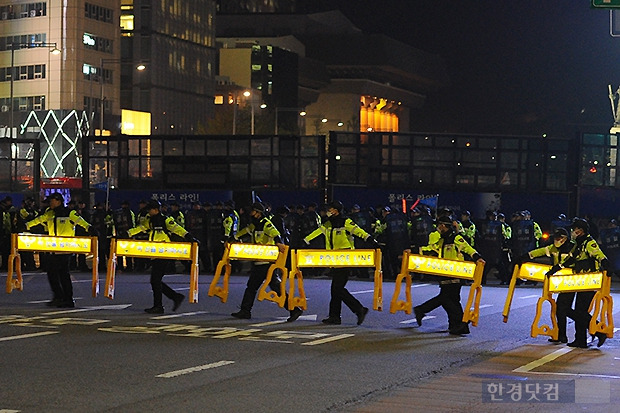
{"x":605,"y":4}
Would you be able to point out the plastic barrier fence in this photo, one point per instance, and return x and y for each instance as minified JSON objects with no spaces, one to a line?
{"x":334,"y":258}
{"x":48,"y":243}
{"x":252,"y":252}
{"x":442,"y":267}
{"x":187,"y":251}
{"x":565,"y":281}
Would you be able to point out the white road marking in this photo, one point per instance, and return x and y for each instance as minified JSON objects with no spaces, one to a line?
{"x":262,"y":340}
{"x":543,"y":360}
{"x":413,"y":320}
{"x":485,"y":306}
{"x":9,"y":411}
{"x":95,"y":308}
{"x":363,"y":292}
{"x":42,"y":333}
{"x":196,"y":369}
{"x":163,"y":317}
{"x":419,"y":285}
{"x":525,"y":297}
{"x":47,"y":301}
{"x":327,"y":340}
{"x":280,"y":320}
{"x":601,"y":376}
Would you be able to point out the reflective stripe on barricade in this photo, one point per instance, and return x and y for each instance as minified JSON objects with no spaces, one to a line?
{"x":306,"y":258}
{"x":442,"y":267}
{"x":185,"y":251}
{"x":49,"y":243}
{"x":257,"y":253}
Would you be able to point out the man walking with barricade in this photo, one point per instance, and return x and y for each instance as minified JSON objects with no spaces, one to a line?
{"x":60,"y":221}
{"x":557,"y":251}
{"x":338,"y":231}
{"x":159,"y":227}
{"x":450,"y":245}
{"x":263,"y":232}
{"x":585,"y":256}
{"x":124,"y":220}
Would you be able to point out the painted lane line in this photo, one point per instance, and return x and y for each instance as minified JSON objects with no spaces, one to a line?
{"x":280,"y":320}
{"x":413,"y":320}
{"x":601,"y":376}
{"x":196,"y":369}
{"x":9,"y":411}
{"x":42,"y":333}
{"x":363,"y":292}
{"x":81,"y":310}
{"x":543,"y":360}
{"x":262,"y":340}
{"x":525,"y":297}
{"x":327,"y":340}
{"x":419,"y":285}
{"x":485,"y":306}
{"x":163,"y":317}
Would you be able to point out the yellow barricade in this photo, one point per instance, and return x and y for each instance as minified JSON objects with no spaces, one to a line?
{"x":425,"y":264}
{"x":564,"y":281}
{"x":187,"y":251}
{"x":48,"y":243}
{"x":252,"y":252}
{"x":334,"y":258}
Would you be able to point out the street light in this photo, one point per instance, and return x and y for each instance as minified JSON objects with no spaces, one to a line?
{"x":15,"y":46}
{"x":300,"y":111}
{"x":102,"y":62}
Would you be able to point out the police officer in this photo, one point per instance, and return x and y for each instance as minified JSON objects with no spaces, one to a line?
{"x":489,"y":242}
{"x":450,"y":245}
{"x":469,"y":228}
{"x":557,"y":252}
{"x":159,"y":228}
{"x":396,"y":235}
{"x":585,"y":256}
{"x":338,"y":231}
{"x":124,"y":220}
{"x":263,"y":232}
{"x":60,"y":221}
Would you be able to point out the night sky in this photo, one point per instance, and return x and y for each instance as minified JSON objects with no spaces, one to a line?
{"x":516,"y":67}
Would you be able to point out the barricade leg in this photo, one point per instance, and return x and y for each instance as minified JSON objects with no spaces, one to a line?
{"x":110,"y":279}
{"x":278,"y":297}
{"x":400,"y":305}
{"x":545,"y":329}
{"x":377,"y":302}
{"x":471,"y":311}
{"x":18,"y":282}
{"x":293,"y":300}
{"x":214,"y":289}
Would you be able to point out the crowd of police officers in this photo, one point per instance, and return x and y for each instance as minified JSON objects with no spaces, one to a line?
{"x":502,"y":241}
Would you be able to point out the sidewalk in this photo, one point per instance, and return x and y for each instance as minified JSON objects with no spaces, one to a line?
{"x":591,"y":377}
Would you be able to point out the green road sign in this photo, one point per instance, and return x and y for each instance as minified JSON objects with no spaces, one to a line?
{"x":605,"y":4}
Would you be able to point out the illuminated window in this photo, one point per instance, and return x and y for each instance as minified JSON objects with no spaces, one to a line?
{"x":219,"y":99}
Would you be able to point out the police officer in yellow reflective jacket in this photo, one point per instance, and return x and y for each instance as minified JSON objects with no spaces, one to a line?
{"x":60,"y":221}
{"x":585,"y":256}
{"x":338,"y":231}
{"x":452,"y":246}
{"x":159,"y":227}
{"x":263,"y":232}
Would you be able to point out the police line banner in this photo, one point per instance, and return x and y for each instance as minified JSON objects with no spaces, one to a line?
{"x":50,"y":244}
{"x":441,"y":267}
{"x":307,"y":258}
{"x":187,"y":251}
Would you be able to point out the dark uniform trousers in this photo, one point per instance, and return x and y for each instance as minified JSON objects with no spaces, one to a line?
{"x":579,"y":314}
{"x":59,"y":277}
{"x":258,"y":275}
{"x":158,"y":269}
{"x":339,"y":294}
{"x":449,"y":298}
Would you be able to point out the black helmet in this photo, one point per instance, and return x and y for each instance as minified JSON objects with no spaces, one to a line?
{"x":153,"y":204}
{"x":444,"y":220}
{"x":337,"y":205}
{"x":257,"y":206}
{"x":560,"y":232}
{"x":580,"y":223}
{"x":466,"y":213}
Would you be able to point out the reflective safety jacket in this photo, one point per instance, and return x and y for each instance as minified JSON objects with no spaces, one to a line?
{"x":231,"y":224}
{"x":556,"y":254}
{"x":585,"y":256}
{"x":264,"y":233}
{"x":338,"y":233}
{"x":59,"y":222}
{"x":451,"y":246}
{"x":158,"y":227}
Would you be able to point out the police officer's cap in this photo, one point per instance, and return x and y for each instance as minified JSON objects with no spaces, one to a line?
{"x":258,"y":207}
{"x":337,"y":205}
{"x":561,"y":217}
{"x":356,"y":207}
{"x":153,"y":204}
{"x":444,"y":220}
{"x":560,"y":232}
{"x":501,"y":215}
{"x":580,"y":223}
{"x":229,"y":204}
{"x":466,"y":213}
{"x":387,"y":209}
{"x":526,"y":213}
{"x":57,"y":196}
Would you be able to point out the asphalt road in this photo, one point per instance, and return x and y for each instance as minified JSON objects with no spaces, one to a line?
{"x":109,"y":356}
